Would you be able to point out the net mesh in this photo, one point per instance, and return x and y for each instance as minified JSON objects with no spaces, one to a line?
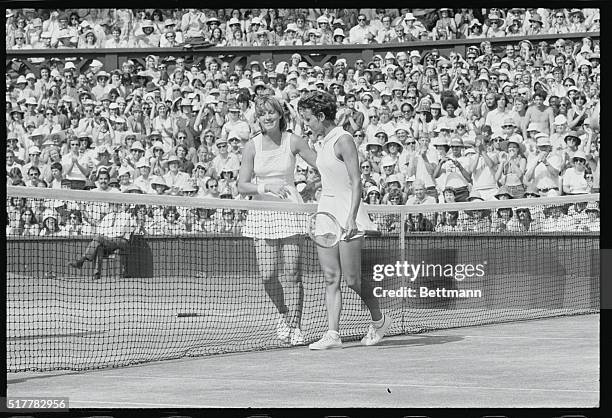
{"x":190,"y":278}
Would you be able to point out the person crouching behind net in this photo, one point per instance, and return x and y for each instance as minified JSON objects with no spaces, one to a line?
{"x":114,"y":233}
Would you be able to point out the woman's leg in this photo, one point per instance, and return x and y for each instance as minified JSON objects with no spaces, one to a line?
{"x":267,"y":253}
{"x":350,"y":261}
{"x":293,"y":286}
{"x":329,"y":259}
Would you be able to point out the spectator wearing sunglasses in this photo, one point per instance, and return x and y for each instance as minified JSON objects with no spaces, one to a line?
{"x":559,"y":24}
{"x":574,"y":179}
{"x":358,"y":34}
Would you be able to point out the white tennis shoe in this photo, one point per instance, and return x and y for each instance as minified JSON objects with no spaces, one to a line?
{"x":331,"y":339}
{"x":297,"y":338}
{"x":375,"y":335}
{"x":283,"y":331}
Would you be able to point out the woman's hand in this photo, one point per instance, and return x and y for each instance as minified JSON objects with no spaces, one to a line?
{"x":281,"y":191}
{"x":351,"y":228}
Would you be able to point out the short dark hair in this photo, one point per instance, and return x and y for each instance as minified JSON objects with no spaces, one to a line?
{"x":450,"y":100}
{"x":541,"y":93}
{"x":319,"y":102}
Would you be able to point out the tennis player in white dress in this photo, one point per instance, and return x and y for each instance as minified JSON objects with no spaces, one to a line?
{"x":338,"y":164}
{"x":267,"y":173}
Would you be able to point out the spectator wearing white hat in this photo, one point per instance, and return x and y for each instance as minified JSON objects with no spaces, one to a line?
{"x":453,"y":169}
{"x":43,"y":42}
{"x":34,"y":163}
{"x":576,"y":22}
{"x":29,"y":91}
{"x":535,"y":25}
{"x":125,"y":178}
{"x":145,"y":36}
{"x":32,"y":115}
{"x":483,"y":168}
{"x":324,"y":26}
{"x":290,"y":36}
{"x":174,"y":178}
{"x":544,"y":167}
{"x":574,"y":179}
{"x":412,"y":28}
{"x":251,"y":31}
{"x":235,"y":123}
{"x":494,"y":26}
{"x":592,"y":223}
{"x":512,"y":166}
{"x":50,"y":224}
{"x":143,"y":178}
{"x":50,"y":154}
{"x":388,"y":167}
{"x":225,"y":160}
{"x":103,"y":178}
{"x":445,"y":27}
{"x":557,"y":138}
{"x":339,"y":38}
{"x":102,"y":87}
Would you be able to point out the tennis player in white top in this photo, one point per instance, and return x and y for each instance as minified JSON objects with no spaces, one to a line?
{"x":338,"y":164}
{"x":269,"y":159}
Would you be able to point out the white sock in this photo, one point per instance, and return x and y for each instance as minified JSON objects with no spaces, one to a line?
{"x":333,"y":333}
{"x":380,"y":322}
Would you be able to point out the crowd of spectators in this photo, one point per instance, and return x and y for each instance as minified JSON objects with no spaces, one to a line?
{"x":428,"y":128}
{"x":150,"y":28}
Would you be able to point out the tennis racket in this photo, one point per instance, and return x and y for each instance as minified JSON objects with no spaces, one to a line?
{"x":325,"y":230}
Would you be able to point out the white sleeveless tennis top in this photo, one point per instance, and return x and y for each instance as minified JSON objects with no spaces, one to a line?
{"x":275,"y":167}
{"x":336,"y":185}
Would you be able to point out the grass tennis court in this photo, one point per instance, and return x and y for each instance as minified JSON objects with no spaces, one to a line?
{"x":77,"y":323}
{"x":519,"y":364}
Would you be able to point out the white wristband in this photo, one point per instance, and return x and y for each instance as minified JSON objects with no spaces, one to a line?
{"x":261,"y":188}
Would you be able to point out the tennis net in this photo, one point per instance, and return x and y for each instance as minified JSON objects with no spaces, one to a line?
{"x":189,"y":280}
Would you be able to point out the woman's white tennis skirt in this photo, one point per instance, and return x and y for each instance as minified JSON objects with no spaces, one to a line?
{"x":274,"y":225}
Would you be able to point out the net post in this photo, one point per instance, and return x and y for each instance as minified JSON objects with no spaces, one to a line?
{"x":402,"y":245}
{"x":402,"y":232}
